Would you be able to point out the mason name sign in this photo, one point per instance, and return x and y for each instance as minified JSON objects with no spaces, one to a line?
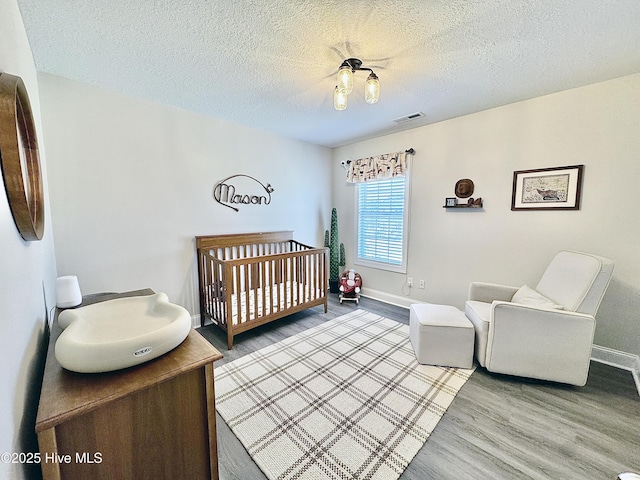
{"x":242,"y":190}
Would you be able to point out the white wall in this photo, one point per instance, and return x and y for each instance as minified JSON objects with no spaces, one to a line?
{"x":597,"y":126}
{"x":131,"y":185}
{"x":27,"y":279}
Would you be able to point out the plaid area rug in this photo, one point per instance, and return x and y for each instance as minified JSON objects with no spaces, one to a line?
{"x":343,"y":400}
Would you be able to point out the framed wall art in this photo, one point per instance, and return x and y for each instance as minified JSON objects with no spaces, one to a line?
{"x":556,"y":188}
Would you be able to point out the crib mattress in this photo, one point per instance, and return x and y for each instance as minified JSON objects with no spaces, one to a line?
{"x":285,"y":295}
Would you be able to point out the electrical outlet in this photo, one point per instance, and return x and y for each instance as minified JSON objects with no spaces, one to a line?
{"x":421,"y":283}
{"x":410,"y":281}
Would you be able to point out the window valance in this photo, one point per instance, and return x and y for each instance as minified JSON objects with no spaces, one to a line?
{"x":370,"y":169}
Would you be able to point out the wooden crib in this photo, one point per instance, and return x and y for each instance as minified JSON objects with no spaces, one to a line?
{"x":250,"y":279}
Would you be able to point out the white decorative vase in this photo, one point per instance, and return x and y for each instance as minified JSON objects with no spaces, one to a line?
{"x":68,"y":292}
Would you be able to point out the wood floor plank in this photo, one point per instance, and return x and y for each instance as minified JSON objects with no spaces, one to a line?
{"x":498,"y":427}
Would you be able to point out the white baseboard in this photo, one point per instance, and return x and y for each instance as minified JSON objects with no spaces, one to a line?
{"x":397,"y":300}
{"x":616,"y":358}
{"x":609,"y":356}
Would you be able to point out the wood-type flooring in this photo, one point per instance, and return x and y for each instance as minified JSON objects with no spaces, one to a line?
{"x":498,"y":427}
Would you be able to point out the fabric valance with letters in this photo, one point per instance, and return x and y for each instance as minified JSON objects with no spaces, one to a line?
{"x":382,"y":167}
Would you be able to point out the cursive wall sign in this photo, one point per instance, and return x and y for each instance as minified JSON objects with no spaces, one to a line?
{"x":254,"y":192}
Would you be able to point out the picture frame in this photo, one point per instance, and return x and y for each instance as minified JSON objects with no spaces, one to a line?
{"x":557,"y":188}
{"x":450,"y":202}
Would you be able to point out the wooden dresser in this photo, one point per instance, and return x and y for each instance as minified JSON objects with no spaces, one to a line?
{"x":152,"y":421}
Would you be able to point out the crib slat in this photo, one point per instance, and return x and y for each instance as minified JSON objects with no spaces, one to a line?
{"x":263,"y":286}
{"x":202,"y":280}
{"x":238,"y":293}
{"x":245,"y":289}
{"x":305,"y":287}
{"x":309,"y":291}
{"x":275,"y":304}
{"x":299,"y":280}
{"x":214,"y":294}
{"x":254,"y":288}
{"x":317,"y":273}
{"x":289,"y":291}
{"x":294,"y":281}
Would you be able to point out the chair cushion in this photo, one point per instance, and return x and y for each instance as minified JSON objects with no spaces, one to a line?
{"x":479,"y":313}
{"x":576,"y":280}
{"x":528,"y":296}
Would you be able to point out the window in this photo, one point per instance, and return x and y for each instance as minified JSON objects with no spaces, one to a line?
{"x":382,"y":224}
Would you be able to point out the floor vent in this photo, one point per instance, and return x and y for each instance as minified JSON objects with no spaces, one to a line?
{"x":408,"y":118}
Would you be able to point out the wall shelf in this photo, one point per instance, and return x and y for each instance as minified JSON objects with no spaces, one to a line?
{"x":464,"y":205}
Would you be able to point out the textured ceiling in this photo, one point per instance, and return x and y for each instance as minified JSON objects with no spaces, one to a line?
{"x":271,"y":64}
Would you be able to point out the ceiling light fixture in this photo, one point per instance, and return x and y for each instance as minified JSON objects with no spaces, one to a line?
{"x":345,"y":84}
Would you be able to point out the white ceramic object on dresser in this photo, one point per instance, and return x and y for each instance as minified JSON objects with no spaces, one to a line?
{"x":120,"y":333}
{"x":68,"y":292}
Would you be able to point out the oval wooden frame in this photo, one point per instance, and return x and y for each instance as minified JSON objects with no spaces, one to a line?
{"x":20,"y":158}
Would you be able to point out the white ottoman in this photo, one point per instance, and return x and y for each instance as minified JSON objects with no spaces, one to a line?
{"x":441,"y":335}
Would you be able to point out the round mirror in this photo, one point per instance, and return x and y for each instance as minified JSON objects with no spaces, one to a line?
{"x":19,"y":158}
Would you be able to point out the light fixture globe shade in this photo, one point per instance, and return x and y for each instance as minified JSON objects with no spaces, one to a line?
{"x":372,"y":89}
{"x":345,"y":79}
{"x":339,"y":99}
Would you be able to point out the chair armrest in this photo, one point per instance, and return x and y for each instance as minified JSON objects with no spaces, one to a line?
{"x":548,"y":320}
{"x":540,"y":343}
{"x":488,"y":292}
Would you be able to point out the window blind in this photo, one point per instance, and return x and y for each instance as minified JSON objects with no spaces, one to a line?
{"x":381,"y":220}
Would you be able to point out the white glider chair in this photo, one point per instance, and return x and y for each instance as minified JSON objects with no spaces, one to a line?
{"x":546,"y":332}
